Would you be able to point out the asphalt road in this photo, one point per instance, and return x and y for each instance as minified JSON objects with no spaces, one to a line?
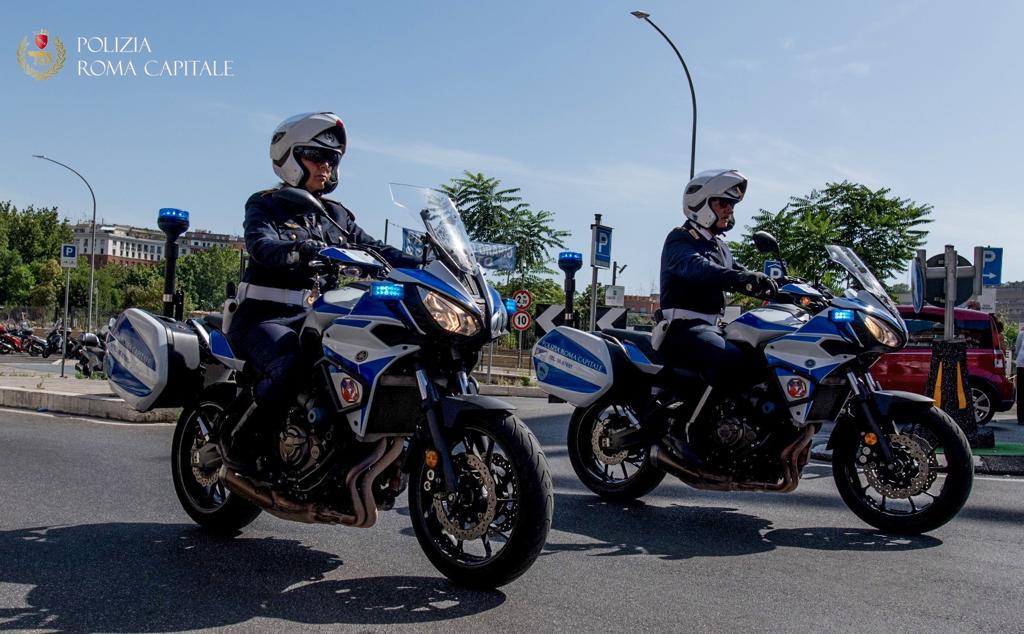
{"x":92,"y":539}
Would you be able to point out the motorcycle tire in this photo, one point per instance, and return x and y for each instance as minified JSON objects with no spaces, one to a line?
{"x":210,"y":505}
{"x":598,"y":473}
{"x":502,"y":457}
{"x":919,"y":442}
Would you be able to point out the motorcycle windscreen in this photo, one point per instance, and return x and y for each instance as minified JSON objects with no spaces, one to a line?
{"x":152,"y":361}
{"x":573,"y":365}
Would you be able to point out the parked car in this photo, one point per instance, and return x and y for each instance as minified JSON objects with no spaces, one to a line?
{"x":991,"y":384}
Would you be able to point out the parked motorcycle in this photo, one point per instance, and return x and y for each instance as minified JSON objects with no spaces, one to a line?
{"x":900,"y":464}
{"x":56,"y":338}
{"x":34,"y":345}
{"x":388,"y":405}
{"x":9,"y":342}
{"x":90,"y":350}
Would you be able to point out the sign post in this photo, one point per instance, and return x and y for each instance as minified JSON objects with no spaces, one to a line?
{"x":600,"y":258}
{"x":68,"y":260}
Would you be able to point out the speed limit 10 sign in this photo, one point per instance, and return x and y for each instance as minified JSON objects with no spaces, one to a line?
{"x":521,"y":320}
{"x":523,"y":298}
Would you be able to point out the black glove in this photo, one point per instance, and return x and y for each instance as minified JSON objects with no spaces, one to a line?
{"x":310,"y":249}
{"x":757,"y":284}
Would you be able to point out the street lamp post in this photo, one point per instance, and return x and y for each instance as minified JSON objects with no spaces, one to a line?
{"x":641,"y":15}
{"x":92,"y":244}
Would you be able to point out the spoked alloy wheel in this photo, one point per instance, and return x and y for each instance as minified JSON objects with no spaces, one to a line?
{"x":984,"y":409}
{"x":493,"y":528}
{"x":200,"y":491}
{"x":614,"y":475}
{"x":927,"y":485}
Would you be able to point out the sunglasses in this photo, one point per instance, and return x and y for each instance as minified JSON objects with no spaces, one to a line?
{"x":725,"y":202}
{"x":318,"y":155}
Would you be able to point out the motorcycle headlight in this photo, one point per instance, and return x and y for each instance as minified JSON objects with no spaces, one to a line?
{"x":882,"y":332}
{"x":449,"y":316}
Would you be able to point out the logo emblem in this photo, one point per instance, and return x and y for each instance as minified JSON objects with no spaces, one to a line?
{"x":38,"y":62}
{"x":362,"y":356}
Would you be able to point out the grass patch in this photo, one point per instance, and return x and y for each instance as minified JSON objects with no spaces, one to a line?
{"x":1001,"y":449}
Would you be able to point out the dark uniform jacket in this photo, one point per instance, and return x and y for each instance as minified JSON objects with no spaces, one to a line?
{"x":696,"y":272}
{"x":273,"y":231}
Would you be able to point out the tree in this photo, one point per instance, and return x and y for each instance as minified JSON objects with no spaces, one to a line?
{"x":499,"y":215}
{"x":204,"y":277}
{"x":27,"y":237}
{"x":883,"y":230}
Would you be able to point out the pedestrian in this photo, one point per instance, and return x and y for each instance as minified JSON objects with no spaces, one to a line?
{"x":1016,"y":359}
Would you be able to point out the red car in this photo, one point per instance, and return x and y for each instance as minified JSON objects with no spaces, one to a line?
{"x":907,"y":369}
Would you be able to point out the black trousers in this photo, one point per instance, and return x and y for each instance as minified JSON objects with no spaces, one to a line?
{"x":697,"y":345}
{"x":266,"y":335}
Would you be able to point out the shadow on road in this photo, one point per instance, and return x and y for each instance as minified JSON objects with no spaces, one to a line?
{"x":855,"y":539}
{"x":122,"y":577}
{"x":684,"y":532}
{"x":675,"y":532}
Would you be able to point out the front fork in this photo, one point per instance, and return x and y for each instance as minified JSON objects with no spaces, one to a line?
{"x":430,"y":404}
{"x":863,"y":387}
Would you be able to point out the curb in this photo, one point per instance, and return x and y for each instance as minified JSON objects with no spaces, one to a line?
{"x":91,"y":405}
{"x":988,"y":465}
{"x":512,"y":390}
{"x":111,"y":407}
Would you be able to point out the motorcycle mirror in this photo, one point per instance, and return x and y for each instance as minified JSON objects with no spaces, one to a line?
{"x":113,"y":320}
{"x":765,"y":242}
{"x":300,"y":198}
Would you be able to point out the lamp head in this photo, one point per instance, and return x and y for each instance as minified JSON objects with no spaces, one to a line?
{"x":570,"y":261}
{"x":640,"y":15}
{"x":172,"y":222}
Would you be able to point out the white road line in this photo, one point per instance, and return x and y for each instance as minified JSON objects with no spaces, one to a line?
{"x":84,"y":419}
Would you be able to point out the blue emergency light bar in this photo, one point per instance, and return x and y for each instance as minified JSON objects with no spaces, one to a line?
{"x":841,"y":315}
{"x":511,"y":306}
{"x":570,"y":256}
{"x":179,"y":214}
{"x":387,"y":290}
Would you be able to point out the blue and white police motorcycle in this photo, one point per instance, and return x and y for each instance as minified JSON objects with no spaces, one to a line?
{"x":389,"y":400}
{"x":901,"y":464}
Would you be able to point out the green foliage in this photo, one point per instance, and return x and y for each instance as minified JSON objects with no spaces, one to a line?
{"x":204,"y":277}
{"x":499,"y":215}
{"x":1011,"y":330}
{"x":883,"y":230}
{"x":28,"y":237}
{"x":544,"y":290}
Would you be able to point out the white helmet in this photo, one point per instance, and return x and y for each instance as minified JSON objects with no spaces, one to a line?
{"x":322,"y":130}
{"x":712,"y":184}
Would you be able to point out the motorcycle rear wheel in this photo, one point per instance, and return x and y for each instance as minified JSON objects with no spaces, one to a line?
{"x":497,"y":527}
{"x":600,"y":472}
{"x":203,"y":496}
{"x":913,"y":499}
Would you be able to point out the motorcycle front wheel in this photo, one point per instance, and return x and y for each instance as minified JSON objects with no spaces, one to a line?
{"x":928,"y":484}
{"x":495,"y":525}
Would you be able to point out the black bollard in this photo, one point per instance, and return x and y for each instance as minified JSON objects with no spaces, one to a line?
{"x":173,"y":222}
{"x":570,"y":262}
{"x":948,"y":385}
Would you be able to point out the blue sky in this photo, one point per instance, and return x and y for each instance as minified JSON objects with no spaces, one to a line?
{"x":578,"y":103}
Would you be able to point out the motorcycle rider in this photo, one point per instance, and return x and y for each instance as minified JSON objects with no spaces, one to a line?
{"x":282,"y":238}
{"x":697,"y":270}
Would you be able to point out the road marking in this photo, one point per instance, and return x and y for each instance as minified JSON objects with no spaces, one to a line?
{"x":84,"y":419}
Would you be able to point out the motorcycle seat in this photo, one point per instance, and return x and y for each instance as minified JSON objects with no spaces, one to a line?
{"x":640,"y":339}
{"x":215,"y":321}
